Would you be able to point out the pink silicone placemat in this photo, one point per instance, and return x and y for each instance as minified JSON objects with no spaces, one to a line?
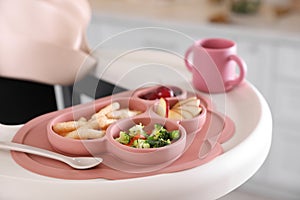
{"x":34,"y":133}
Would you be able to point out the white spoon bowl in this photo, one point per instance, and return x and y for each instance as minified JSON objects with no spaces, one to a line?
{"x":75,"y":162}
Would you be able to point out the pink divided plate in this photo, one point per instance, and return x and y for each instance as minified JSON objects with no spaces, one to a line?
{"x":200,"y":147}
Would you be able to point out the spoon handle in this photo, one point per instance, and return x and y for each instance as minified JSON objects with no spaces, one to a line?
{"x":32,"y":150}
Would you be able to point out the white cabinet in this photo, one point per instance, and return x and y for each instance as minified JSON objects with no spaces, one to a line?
{"x":287,"y":85}
{"x":284,"y":156}
{"x":288,"y":57}
{"x":110,"y":34}
{"x":284,"y":160}
{"x":286,"y":102}
{"x":258,"y":56}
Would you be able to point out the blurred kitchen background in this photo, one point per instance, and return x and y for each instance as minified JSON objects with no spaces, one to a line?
{"x":268,"y":36}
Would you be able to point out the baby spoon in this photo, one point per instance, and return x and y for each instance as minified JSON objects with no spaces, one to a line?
{"x":75,"y":162}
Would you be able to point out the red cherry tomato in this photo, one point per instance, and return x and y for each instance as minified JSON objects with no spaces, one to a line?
{"x":164,"y":92}
{"x":160,"y":92}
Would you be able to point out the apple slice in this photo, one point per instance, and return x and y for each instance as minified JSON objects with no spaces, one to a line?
{"x":186,"y":114}
{"x":188,"y":101}
{"x":196,"y":102}
{"x":162,"y":108}
{"x":194,"y":110}
{"x":175,"y":115}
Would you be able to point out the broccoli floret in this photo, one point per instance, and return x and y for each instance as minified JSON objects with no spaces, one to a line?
{"x":174,"y":135}
{"x":140,"y":143}
{"x":124,"y":138}
{"x":156,"y":143}
{"x":159,"y":132}
{"x":161,"y":143}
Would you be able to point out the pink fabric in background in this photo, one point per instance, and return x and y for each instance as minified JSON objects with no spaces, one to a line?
{"x":45,"y":41}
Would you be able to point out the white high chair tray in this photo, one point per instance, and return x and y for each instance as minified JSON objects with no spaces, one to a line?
{"x":243,"y":155}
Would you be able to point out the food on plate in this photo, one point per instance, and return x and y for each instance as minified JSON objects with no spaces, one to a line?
{"x":65,"y":127}
{"x":86,"y":133}
{"x":163,"y":108}
{"x":174,"y":115}
{"x":184,"y":109}
{"x":96,"y":126}
{"x":137,"y":137}
{"x":161,"y":92}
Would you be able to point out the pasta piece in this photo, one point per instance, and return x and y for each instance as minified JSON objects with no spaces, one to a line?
{"x":111,"y":107}
{"x":65,"y":127}
{"x":104,"y":122}
{"x":84,"y":133}
{"x":122,"y":113}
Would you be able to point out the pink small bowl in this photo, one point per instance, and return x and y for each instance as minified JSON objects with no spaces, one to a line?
{"x":73,"y":146}
{"x":190,"y":125}
{"x":196,"y":123}
{"x":92,"y":146}
{"x":151,"y":156}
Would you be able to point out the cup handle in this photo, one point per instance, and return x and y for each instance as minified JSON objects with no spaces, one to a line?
{"x":243,"y":70}
{"x":187,"y":63}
